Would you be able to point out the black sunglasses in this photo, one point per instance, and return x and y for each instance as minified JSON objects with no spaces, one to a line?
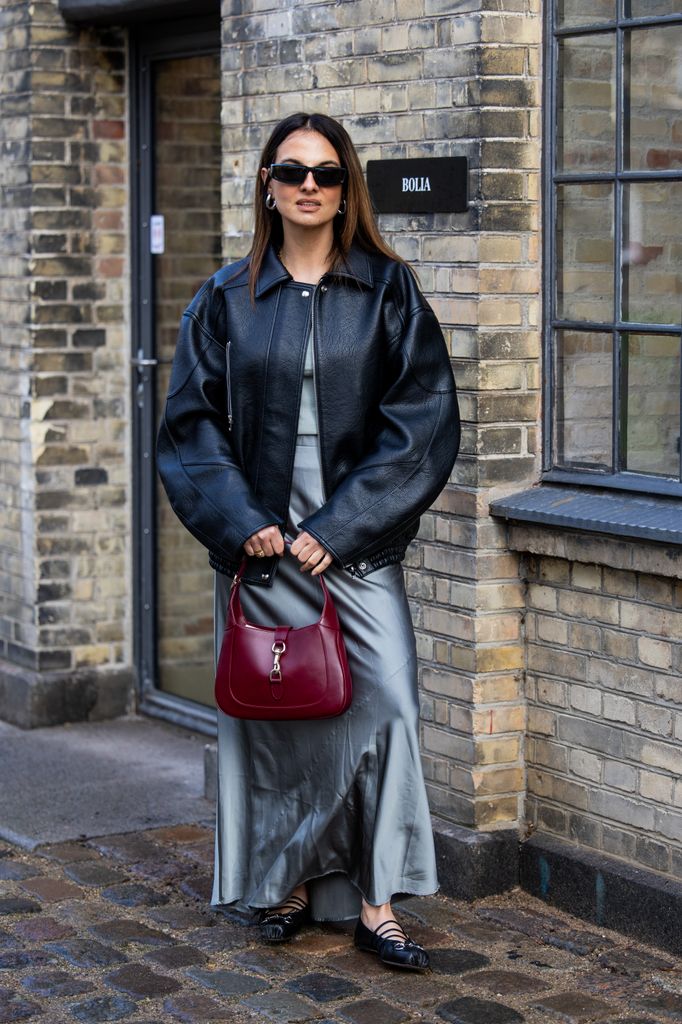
{"x":295,"y":174}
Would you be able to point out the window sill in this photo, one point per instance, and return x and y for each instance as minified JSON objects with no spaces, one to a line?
{"x":624,"y":515}
{"x":596,"y":527}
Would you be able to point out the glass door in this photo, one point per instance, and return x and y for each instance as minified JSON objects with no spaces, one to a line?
{"x":177,"y":226}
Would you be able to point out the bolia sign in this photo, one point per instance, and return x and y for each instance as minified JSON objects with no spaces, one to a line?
{"x":421,"y":185}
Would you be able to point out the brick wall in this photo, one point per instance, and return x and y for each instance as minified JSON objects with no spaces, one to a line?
{"x":604,"y":659}
{"x":66,"y":472}
{"x":16,"y":486}
{"x":427,"y":78}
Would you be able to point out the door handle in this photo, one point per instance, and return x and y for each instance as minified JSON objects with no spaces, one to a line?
{"x":139,"y":362}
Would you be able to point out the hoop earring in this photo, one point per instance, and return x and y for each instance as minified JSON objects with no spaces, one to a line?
{"x":270,"y":201}
{"x":342,"y":209}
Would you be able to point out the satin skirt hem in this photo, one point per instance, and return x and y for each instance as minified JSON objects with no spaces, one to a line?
{"x":412,"y":890}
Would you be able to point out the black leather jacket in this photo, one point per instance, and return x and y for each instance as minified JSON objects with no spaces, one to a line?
{"x":387,"y":410}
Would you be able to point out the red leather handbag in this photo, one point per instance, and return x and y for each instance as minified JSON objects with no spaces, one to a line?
{"x":278,"y":672}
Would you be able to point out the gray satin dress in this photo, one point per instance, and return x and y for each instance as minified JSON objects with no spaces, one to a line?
{"x":338,"y":803}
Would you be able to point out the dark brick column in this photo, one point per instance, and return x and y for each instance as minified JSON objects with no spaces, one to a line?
{"x":64,"y":620}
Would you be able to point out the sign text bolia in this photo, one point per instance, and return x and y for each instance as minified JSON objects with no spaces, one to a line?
{"x":420,"y":185}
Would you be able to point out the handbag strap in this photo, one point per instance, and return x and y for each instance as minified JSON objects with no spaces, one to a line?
{"x":235,"y":612}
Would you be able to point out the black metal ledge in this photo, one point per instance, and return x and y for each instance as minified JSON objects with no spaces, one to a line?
{"x":123,"y":12}
{"x":622,"y":515}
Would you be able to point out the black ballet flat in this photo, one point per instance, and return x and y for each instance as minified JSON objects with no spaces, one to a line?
{"x":392,"y":944}
{"x":280,"y":926}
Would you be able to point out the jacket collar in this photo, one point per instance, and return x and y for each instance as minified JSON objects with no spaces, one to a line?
{"x":273,"y":272}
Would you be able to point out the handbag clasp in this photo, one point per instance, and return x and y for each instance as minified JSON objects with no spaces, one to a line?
{"x":278,"y":649}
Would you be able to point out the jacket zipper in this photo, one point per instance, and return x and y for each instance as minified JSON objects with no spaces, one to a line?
{"x":317,"y":400}
{"x":229,"y":388}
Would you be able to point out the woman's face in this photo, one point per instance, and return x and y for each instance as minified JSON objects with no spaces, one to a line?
{"x":305,"y":205}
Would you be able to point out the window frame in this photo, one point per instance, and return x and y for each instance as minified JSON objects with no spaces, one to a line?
{"x":620,"y":479}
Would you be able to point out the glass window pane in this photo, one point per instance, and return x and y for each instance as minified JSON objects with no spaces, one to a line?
{"x":652,"y":252}
{"x":651,"y":8}
{"x":586,"y":113}
{"x":583,"y":399}
{"x":651,"y":365}
{"x":187,"y":193}
{"x":655,"y":99}
{"x":572,"y":13}
{"x":585,"y":261}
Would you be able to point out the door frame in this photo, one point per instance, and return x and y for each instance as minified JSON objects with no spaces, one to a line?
{"x":186,"y":37}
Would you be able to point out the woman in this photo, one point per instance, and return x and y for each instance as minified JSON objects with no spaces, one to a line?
{"x":312,"y":400}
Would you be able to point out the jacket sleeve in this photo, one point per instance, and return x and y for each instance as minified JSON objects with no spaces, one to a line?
{"x":414,"y":450}
{"x":204,"y":482}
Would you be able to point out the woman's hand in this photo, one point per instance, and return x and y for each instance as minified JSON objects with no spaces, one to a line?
{"x":266,"y":542}
{"x":310,"y":553}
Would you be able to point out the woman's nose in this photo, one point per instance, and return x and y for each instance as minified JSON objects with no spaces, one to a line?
{"x":309,"y":181}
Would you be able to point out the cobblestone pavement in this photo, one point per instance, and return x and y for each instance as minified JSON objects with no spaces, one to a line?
{"x":119,"y":929}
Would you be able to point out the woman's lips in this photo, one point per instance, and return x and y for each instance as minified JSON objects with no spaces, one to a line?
{"x":308,"y":203}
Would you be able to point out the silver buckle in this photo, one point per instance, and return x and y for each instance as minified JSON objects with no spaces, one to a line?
{"x":278,"y":649}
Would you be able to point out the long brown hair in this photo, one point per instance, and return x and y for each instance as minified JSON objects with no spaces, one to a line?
{"x":356,"y":225}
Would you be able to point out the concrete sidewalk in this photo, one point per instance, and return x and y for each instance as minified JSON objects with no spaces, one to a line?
{"x":97,"y":778}
{"x":116,"y":926}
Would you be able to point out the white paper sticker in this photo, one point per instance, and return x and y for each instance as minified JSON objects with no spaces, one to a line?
{"x":157,"y":240}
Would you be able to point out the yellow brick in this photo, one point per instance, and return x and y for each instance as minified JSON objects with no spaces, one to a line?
{"x":499,"y":659}
{"x":491,"y":721}
{"x":496,"y":751}
{"x":465,"y":658}
{"x":533,"y":313}
{"x":552,"y":630}
{"x":110,"y":196}
{"x":534,"y":54}
{"x":105,"y":244}
{"x":497,"y":627}
{"x":589,"y":606}
{"x":449,"y":249}
{"x":534,"y":123}
{"x":97,"y":654}
{"x":504,"y":809}
{"x":510,"y":281}
{"x":499,"y":312}
{"x":112,"y":587}
{"x":510,"y":28}
{"x":455,"y":311}
{"x":541,"y":722}
{"x":83,"y":590}
{"x":500,"y":249}
{"x":497,"y":780}
{"x":465,"y":280}
{"x":496,"y":689}
{"x":587,"y":577}
{"x":395,"y":37}
{"x":656,"y":653}
{"x":533,"y":248}
{"x":533,"y":378}
{"x":499,"y":376}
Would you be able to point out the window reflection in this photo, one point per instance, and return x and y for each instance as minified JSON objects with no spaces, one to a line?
{"x":574,"y":13}
{"x":583,"y":406}
{"x":586,"y":120}
{"x":652,"y":395}
{"x":651,"y":8}
{"x":652,"y":252}
{"x":654,"y":98}
{"x":187,"y":193}
{"x":585,"y":252}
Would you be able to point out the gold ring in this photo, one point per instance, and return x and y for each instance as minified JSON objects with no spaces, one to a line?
{"x":259,"y":554}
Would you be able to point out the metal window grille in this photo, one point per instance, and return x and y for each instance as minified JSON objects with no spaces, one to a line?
{"x":617,"y":28}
